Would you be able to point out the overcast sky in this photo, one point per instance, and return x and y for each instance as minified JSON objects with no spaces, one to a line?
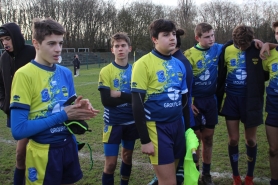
{"x":167,"y":2}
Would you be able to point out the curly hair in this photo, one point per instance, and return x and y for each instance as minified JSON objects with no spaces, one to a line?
{"x":243,"y":36}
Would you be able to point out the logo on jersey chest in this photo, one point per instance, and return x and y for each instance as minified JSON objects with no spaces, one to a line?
{"x":160,"y":76}
{"x":199,"y":64}
{"x":116,"y":83}
{"x":233,"y":62}
{"x":45,"y":95}
{"x":274,"y":67}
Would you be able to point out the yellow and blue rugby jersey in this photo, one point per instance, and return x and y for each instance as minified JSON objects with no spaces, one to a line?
{"x":271,"y":65}
{"x":115,"y":77}
{"x":236,"y":69}
{"x":204,"y":65}
{"x":163,"y":80}
{"x":43,"y":90}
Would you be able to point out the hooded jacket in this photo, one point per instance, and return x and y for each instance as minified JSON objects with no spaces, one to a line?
{"x":76,"y":63}
{"x":256,"y":78}
{"x":10,"y":62}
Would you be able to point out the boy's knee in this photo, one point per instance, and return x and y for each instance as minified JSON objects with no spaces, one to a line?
{"x":273,"y":152}
{"x":127,"y":158}
{"x":233,"y":142}
{"x":110,"y":168}
{"x":251,"y":142}
{"x":208,"y":140}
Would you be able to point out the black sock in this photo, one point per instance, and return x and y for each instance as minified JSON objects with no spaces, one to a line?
{"x":107,"y":179}
{"x":251,"y":155}
{"x":125,"y":173}
{"x":206,"y":168}
{"x":234,"y":156}
{"x":19,"y":176}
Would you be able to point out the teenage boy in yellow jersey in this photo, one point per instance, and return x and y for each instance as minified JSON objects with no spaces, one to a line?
{"x":204,"y":58}
{"x":271,"y":64}
{"x":119,"y":127}
{"x":39,"y":91}
{"x":159,"y":101}
{"x":242,"y":78}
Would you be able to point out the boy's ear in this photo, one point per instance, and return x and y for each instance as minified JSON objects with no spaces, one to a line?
{"x":197,"y":38}
{"x":130,"y":48}
{"x":35,"y":44}
{"x":154,"y":40}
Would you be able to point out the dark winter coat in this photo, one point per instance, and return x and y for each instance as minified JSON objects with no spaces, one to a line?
{"x":12,"y":61}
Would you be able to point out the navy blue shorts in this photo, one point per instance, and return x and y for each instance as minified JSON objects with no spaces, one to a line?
{"x":53,"y":164}
{"x":168,"y":140}
{"x":271,"y":120}
{"x":234,"y":108}
{"x":208,"y":112}
{"x":271,"y":106}
{"x":113,"y":135}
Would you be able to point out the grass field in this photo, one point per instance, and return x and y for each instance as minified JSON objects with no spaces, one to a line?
{"x":142,"y":172}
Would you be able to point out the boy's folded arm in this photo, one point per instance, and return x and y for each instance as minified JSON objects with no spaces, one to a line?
{"x":107,"y":100}
{"x":126,"y":97}
{"x":22,"y":127}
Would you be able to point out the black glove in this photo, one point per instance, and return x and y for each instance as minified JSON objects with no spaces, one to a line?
{"x":77,"y":126}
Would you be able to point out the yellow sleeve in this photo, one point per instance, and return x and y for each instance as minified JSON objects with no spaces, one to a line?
{"x":104,"y":77}
{"x":21,"y":91}
{"x":139,"y":79}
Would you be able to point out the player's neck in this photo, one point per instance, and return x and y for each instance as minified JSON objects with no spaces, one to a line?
{"x":41,"y":61}
{"x":120,"y":62}
{"x":166,"y":53}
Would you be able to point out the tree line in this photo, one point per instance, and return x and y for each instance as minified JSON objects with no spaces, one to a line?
{"x":90,"y":23}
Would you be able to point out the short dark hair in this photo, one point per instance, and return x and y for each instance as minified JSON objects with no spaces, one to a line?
{"x":161,"y":25}
{"x":274,"y":25}
{"x":202,"y":28}
{"x":179,"y":33}
{"x":46,"y":27}
{"x":243,"y":35}
{"x":120,"y":36}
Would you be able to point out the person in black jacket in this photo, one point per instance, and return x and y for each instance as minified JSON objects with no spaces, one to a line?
{"x":242,"y":78}
{"x":76,"y":65}
{"x":16,"y":55}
